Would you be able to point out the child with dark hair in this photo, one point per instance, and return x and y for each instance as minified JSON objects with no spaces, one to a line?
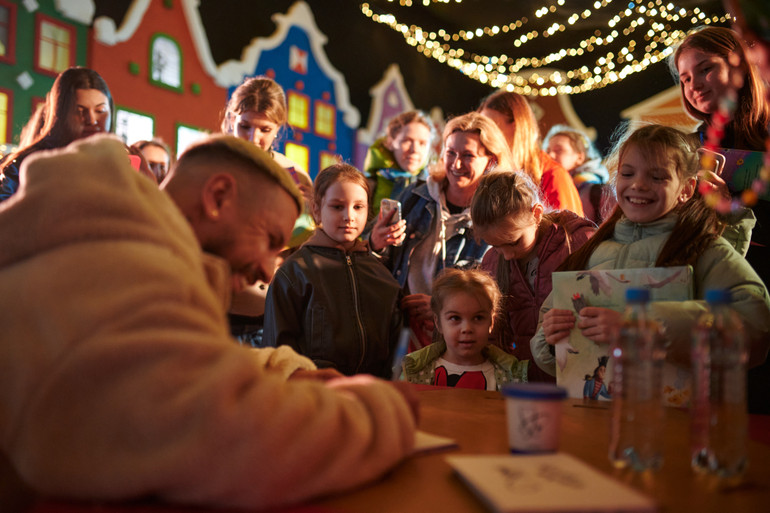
{"x":528,"y":244}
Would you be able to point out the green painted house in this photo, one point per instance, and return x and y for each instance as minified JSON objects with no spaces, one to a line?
{"x":38,"y":39}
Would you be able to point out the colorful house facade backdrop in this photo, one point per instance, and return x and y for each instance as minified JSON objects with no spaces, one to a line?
{"x":165,"y":83}
{"x":322,"y":122}
{"x":159,"y":68}
{"x":38,"y":40}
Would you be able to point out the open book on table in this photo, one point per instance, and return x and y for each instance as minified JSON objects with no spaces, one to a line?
{"x":578,"y":358}
{"x":545,"y":483}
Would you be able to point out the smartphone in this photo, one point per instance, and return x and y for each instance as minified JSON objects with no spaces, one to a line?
{"x":388,"y":205}
{"x":136,"y":161}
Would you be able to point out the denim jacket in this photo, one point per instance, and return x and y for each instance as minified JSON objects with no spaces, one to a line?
{"x":419,"y":207}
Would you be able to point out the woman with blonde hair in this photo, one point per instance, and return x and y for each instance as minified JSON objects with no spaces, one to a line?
{"x":257,"y":112}
{"x":436,"y":230}
{"x":513,"y":115}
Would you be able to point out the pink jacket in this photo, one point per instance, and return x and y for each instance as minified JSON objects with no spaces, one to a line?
{"x":522,"y":304}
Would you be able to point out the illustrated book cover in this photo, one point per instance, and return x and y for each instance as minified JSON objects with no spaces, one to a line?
{"x":579,"y":360}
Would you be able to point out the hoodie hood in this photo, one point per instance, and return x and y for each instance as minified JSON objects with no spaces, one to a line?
{"x":592,"y":171}
{"x":378,"y":157}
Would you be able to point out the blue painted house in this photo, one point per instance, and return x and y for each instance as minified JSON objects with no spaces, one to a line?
{"x":322,"y":122}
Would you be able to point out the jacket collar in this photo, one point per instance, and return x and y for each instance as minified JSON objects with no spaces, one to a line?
{"x":628,"y":231}
{"x":322,"y":239}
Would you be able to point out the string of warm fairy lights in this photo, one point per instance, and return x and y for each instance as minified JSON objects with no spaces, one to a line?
{"x":503,"y":71}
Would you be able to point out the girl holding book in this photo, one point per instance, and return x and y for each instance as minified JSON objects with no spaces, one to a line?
{"x":661,"y":220}
{"x":713,"y":71}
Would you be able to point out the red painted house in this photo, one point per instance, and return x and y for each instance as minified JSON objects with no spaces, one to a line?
{"x":159,"y":68}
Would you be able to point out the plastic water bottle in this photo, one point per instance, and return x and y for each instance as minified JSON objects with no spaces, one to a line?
{"x":719,"y":416}
{"x":636,"y":355}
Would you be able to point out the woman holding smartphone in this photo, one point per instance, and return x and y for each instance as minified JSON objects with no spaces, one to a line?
{"x":436,"y":230}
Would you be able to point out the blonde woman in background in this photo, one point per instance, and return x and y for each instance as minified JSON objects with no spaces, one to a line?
{"x":436,"y":230}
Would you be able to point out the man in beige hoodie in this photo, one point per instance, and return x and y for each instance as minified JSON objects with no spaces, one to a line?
{"x":118,"y":379}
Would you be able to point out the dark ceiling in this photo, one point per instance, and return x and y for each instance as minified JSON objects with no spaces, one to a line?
{"x":362,"y":49}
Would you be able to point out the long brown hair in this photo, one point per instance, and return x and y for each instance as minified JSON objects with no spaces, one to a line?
{"x":50,"y":125}
{"x":697,"y":225}
{"x":752,"y":114}
{"x":525,"y":145}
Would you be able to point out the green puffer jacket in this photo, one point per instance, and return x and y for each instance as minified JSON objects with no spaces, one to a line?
{"x":418,"y":366}
{"x":634,"y":246}
{"x":389,"y":179}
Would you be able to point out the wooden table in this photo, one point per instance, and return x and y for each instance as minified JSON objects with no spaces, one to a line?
{"x":476,"y":420}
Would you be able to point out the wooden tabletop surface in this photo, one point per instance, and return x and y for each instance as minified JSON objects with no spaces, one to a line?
{"x":476,"y":420}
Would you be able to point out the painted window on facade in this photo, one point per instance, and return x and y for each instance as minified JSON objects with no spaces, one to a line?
{"x":186,"y":135}
{"x":55,"y":45}
{"x":325,"y":115}
{"x":7,"y":31}
{"x":299,"y":110}
{"x":5,"y":116}
{"x":165,"y":62}
{"x":133,"y":126}
{"x":299,"y":154}
{"x":328,"y":159}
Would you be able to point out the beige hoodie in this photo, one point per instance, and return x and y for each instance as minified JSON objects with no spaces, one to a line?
{"x":118,"y":378}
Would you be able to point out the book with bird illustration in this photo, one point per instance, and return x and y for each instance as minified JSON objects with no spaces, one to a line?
{"x":583,"y":367}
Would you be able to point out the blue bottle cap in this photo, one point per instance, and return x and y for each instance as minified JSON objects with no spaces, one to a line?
{"x":718,"y":296}
{"x":635,"y":295}
{"x":536,"y":391}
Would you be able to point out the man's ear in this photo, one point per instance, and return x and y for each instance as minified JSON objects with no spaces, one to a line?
{"x":220,"y":192}
{"x":688,"y":189}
